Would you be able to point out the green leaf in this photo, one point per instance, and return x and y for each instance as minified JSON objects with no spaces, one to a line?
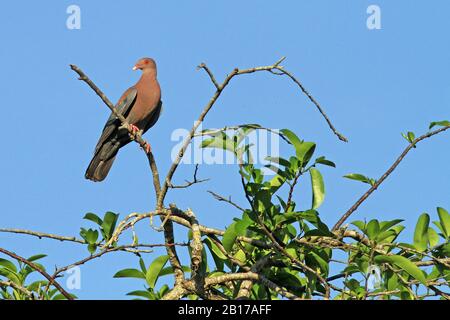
{"x":222,"y":141}
{"x":285,"y":163}
{"x":318,"y":188}
{"x":142,"y":293}
{"x":292,"y":137}
{"x":217,"y":255}
{"x":36,"y":257}
{"x":276,"y":182}
{"x":444,"y":218}
{"x":263,"y":200}
{"x":322,"y":160}
{"x":36,"y":285}
{"x":282,"y":202}
{"x":91,"y":236}
{"x":433,"y":237}
{"x":409,"y":136}
{"x":92,"y":247}
{"x":155,"y":269}
{"x":142,"y":265}
{"x":8,"y":265}
{"x":315,"y":260}
{"x":94,"y":218}
{"x":229,"y":237}
{"x":390,"y":235}
{"x":373,"y":229}
{"x":392,"y":280}
{"x":109,"y":224}
{"x":404,"y":264}
{"x":11,"y":275}
{"x":421,"y":232}
{"x":214,"y":249}
{"x":305,"y":152}
{"x":361,"y":225}
{"x":444,"y":123}
{"x":352,"y":284}
{"x":360,"y":177}
{"x":243,"y":224}
{"x":169,"y":270}
{"x":386,"y":225}
{"x":130,"y":273}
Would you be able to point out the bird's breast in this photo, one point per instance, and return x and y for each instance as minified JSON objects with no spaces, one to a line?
{"x":148,"y":97}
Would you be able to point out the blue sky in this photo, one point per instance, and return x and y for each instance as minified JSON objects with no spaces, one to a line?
{"x":374,"y":84}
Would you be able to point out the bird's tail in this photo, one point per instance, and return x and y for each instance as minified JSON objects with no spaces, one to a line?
{"x":98,"y":168}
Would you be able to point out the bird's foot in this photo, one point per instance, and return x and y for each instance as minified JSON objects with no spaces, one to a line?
{"x":147,"y":147}
{"x":134,"y":129}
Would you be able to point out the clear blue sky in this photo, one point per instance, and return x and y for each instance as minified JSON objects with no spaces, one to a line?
{"x":373,"y":84}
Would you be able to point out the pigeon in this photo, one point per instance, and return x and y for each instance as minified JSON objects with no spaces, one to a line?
{"x":141,"y":106}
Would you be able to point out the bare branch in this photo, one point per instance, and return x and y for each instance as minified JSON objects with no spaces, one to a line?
{"x":375,"y":186}
{"x":189,"y":183}
{"x":218,"y":197}
{"x":41,"y":235}
{"x":210,"y":104}
{"x":210,"y":74}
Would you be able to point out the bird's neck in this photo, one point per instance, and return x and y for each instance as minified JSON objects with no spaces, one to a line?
{"x":148,"y":74}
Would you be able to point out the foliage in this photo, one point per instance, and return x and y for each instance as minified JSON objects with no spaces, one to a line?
{"x":22,"y":288}
{"x":273,"y":217}
{"x":294,"y":248}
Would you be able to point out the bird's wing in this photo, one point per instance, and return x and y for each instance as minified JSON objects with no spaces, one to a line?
{"x":124,"y":106}
{"x":154,"y":116}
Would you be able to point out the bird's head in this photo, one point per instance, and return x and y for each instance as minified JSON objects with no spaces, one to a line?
{"x":146,"y":65}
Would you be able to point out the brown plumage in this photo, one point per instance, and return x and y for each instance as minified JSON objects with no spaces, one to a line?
{"x":141,"y":106}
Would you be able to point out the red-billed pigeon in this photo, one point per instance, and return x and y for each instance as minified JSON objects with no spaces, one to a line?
{"x":141,"y":106}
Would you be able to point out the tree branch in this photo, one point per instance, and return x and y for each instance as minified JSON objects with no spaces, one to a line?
{"x":51,"y":280}
{"x":375,"y":186}
{"x":218,"y":197}
{"x":197,"y":274}
{"x":189,"y":183}
{"x":210,"y":104}
{"x":14,"y":285}
{"x":41,"y":235}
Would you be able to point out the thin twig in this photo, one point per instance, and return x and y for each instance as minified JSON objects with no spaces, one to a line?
{"x":210,"y":104}
{"x":41,"y":235}
{"x":218,"y":197}
{"x":189,"y":183}
{"x":210,"y":74}
{"x":375,"y":186}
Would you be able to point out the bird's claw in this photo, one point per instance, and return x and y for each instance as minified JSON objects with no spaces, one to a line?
{"x":147,"y":147}
{"x":134,"y":129}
